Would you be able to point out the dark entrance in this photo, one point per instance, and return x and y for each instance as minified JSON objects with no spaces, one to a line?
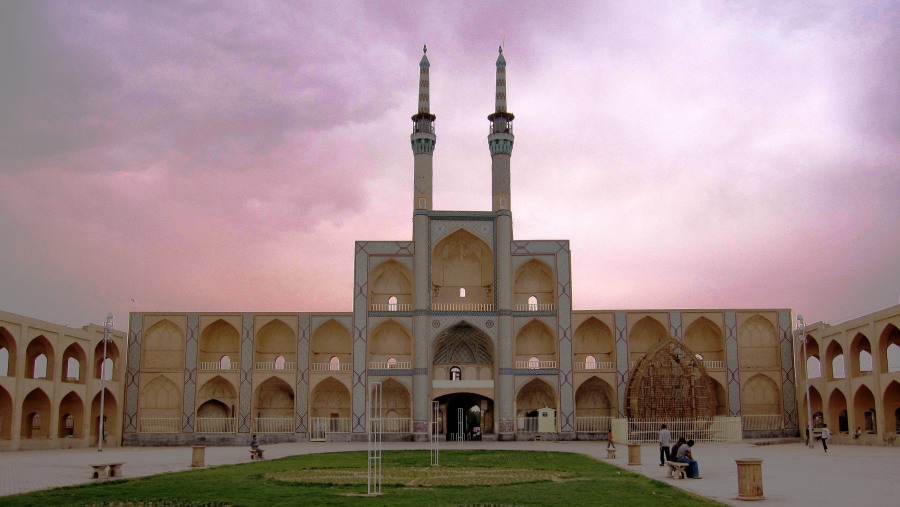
{"x":477,"y":414}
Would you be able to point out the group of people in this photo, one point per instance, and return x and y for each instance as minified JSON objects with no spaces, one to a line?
{"x":680,"y":453}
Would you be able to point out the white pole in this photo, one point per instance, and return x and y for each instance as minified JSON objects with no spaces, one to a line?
{"x":801,"y":330}
{"x":107,"y":328}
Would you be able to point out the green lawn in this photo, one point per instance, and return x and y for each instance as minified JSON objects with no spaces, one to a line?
{"x":465,"y":478}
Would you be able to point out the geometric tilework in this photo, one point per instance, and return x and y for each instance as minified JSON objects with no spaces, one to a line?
{"x":787,"y":370}
{"x":564,"y":332}
{"x":302,"y":390}
{"x":732,"y":373}
{"x":132,"y":375}
{"x":675,"y":326}
{"x":246,"y":387}
{"x":621,"y":361}
{"x":190,"y":372}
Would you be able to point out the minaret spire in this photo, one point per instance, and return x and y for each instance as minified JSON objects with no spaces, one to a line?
{"x":500,"y":140}
{"x":423,"y":139}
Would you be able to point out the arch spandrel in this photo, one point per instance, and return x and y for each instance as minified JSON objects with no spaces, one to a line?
{"x":668,"y":383}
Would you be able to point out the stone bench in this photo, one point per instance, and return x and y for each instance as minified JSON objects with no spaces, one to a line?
{"x":610,"y":453}
{"x":106,"y":470}
{"x":676,"y":468}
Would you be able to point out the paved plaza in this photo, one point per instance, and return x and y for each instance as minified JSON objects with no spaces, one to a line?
{"x":793,"y":475}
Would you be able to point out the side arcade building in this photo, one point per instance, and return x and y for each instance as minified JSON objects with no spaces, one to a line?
{"x":461,"y":319}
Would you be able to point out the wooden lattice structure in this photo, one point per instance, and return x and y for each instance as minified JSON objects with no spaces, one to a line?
{"x":670,"y":383}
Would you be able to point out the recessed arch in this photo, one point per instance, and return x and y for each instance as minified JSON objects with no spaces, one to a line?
{"x":534,"y":279}
{"x":860,"y":355}
{"x":837,"y":410}
{"x":275,"y":339}
{"x":864,"y":409}
{"x":834,"y":361}
{"x":220,"y":390}
{"x":39,"y":357}
{"x":396,"y":402}
{"x":217,"y":339}
{"x":329,"y":398}
{"x":160,"y":398}
{"x":389,"y":339}
{"x":163,"y":347}
{"x":110,"y":411}
{"x":758,"y":342}
{"x":74,"y":359}
{"x":112,"y":359}
{"x":760,"y":395}
{"x":8,"y":359}
{"x":274,"y":398}
{"x":535,"y":339}
{"x":331,"y":339}
{"x":594,"y":338}
{"x":6,"y":408}
{"x":463,"y":344}
{"x":704,"y":337}
{"x":71,"y":416}
{"x":533,"y":396}
{"x":889,"y":349}
{"x":462,"y":261}
{"x":595,"y":398}
{"x":36,"y":421}
{"x":646,"y":334}
{"x":891,"y":408}
{"x":391,"y":279}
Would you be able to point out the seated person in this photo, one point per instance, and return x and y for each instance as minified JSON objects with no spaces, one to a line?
{"x":254,"y":446}
{"x":684,"y":456}
{"x":673,"y":454}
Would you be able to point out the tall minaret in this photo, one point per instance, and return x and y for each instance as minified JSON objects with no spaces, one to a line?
{"x":500,"y":141}
{"x":423,"y":140}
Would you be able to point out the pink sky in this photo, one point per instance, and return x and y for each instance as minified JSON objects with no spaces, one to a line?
{"x":199,"y":156}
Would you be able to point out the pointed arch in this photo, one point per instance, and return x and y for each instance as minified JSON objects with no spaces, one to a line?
{"x":8,"y":361}
{"x":163,"y":347}
{"x":331,"y":339}
{"x":595,"y":398}
{"x":534,"y":279}
{"x":704,"y":337}
{"x":330,"y":397}
{"x":36,"y":421}
{"x":160,"y":398}
{"x":535,"y":339}
{"x":760,"y":395}
{"x":758,"y":342}
{"x":891,"y":408}
{"x":39,"y":357}
{"x":112,"y":359}
{"x":217,"y":339}
{"x":391,"y":279}
{"x":221,"y":390}
{"x":396,"y":399}
{"x":74,"y":360}
{"x":889,"y":349}
{"x":646,"y":334}
{"x":6,"y":408}
{"x":860,"y":355}
{"x":463,"y":343}
{"x":273,"y":340}
{"x":110,"y":411}
{"x":462,"y":261}
{"x":593,"y":337}
{"x":387,"y":339}
{"x":669,"y":382}
{"x":533,"y":396}
{"x":864,"y":409}
{"x":837,"y":411}
{"x":274,"y":398}
{"x":71,"y":416}
{"x":834,"y":361}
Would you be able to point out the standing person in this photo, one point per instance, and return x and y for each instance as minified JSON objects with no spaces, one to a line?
{"x":665,"y":440}
{"x":826,"y":434}
{"x":609,"y":441}
{"x":254,"y":446}
{"x":685,"y":455}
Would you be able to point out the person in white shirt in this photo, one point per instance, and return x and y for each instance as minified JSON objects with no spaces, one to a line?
{"x":665,"y":441}
{"x":826,"y":434}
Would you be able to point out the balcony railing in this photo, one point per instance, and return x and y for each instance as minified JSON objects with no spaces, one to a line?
{"x":762,"y":422}
{"x":216,"y":425}
{"x":597,"y":424}
{"x":217,"y":366}
{"x":388,"y":307}
{"x":462,"y":307}
{"x":385,"y":365}
{"x":714,"y":365}
{"x":271,"y":366}
{"x":272,"y":425}
{"x":595,"y":366}
{"x":392,"y":424}
{"x":527,"y":307}
{"x":330,"y":366}
{"x":159,"y":425}
{"x":535,"y":365}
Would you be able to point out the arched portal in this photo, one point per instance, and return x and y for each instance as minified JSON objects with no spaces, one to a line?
{"x":463,"y":345}
{"x":71,"y":417}
{"x":111,"y":423}
{"x":462,"y":270}
{"x":478,"y":415}
{"x":533,"y":396}
{"x":670,"y":383}
{"x":837,"y":412}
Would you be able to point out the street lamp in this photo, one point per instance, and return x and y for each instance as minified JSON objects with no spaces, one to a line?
{"x":107,"y":330}
{"x":801,"y":331}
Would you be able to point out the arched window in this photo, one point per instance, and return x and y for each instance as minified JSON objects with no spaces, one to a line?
{"x":70,"y":425}
{"x":462,"y":292}
{"x":893,"y":358}
{"x":106,"y":369}
{"x":455,"y":373}
{"x":334,"y":364}
{"x":392,"y":303}
{"x":813,"y":367}
{"x":590,"y":363}
{"x":534,"y":363}
{"x":837,"y":366}
{"x":73,"y":368}
{"x":35,"y":422}
{"x":392,"y":362}
{"x":40,"y":367}
{"x":225,"y":362}
{"x":865,"y":361}
{"x":4,"y":362}
{"x":532,"y":303}
{"x":279,"y":363}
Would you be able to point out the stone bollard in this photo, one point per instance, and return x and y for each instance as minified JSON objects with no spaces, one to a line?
{"x":198,"y":455}
{"x":750,"y":484}
{"x":634,"y":454}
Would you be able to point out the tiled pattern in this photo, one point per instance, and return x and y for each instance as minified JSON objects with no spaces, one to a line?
{"x":791,"y":419}
{"x":675,"y":326}
{"x":302,"y":387}
{"x":246,"y":387}
{"x":732,"y":370}
{"x":190,"y":372}
{"x":133,"y":375}
{"x":621,"y":360}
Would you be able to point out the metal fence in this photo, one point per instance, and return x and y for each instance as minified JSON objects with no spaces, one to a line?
{"x":159,"y":425}
{"x":216,"y":425}
{"x":718,"y":429}
{"x":762,"y":422}
{"x":593,"y":424}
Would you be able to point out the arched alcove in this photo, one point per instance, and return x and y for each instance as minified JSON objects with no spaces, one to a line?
{"x":705,"y":338}
{"x":860,"y":355}
{"x":163,"y":347}
{"x":218,"y":339}
{"x":273,"y":340}
{"x":330,"y":340}
{"x":6,"y":408}
{"x":891,"y":408}
{"x":8,"y":359}
{"x":535,"y":339}
{"x":462,"y":261}
{"x":834,"y":361}
{"x":274,"y":398}
{"x":36,"y":421}
{"x":593,"y":338}
{"x":389,"y":339}
{"x":889,"y":349}
{"x":110,"y":411}
{"x":534,"y":279}
{"x":71,"y":417}
{"x":74,"y":359}
{"x":533,"y":396}
{"x":837,"y":410}
{"x":160,"y":398}
{"x":760,"y":395}
{"x":758,"y":342}
{"x":646,"y":334}
{"x":396,"y":405}
{"x":330,"y":399}
{"x":39,"y":358}
{"x":463,"y":345}
{"x":220,"y":397}
{"x":112,"y":359}
{"x":595,"y":398}
{"x":864,"y":409}
{"x":390,"y":279}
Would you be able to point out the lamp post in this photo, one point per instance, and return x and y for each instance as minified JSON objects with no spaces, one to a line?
{"x":107,"y":330}
{"x":801,"y":331}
